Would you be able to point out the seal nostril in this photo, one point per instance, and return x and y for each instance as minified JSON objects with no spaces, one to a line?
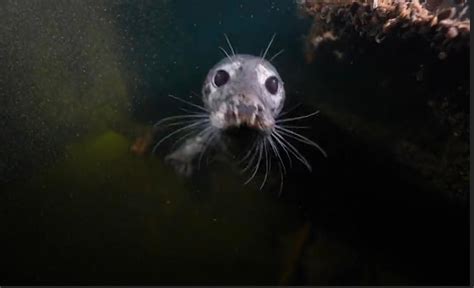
{"x":259,"y":108}
{"x":245,"y":110}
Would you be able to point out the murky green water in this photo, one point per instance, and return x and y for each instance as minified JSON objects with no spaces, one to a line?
{"x":81,"y":80}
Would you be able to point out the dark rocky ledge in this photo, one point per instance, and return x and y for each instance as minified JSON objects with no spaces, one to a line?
{"x":395,"y":74}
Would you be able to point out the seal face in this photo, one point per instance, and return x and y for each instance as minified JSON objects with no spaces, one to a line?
{"x":243,"y":90}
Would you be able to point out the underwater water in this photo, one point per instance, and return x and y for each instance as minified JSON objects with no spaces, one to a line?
{"x":81,"y":80}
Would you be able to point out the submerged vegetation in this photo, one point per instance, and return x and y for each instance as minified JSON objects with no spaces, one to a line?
{"x":141,"y":220}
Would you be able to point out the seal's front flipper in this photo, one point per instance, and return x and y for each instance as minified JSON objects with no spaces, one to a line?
{"x":182,"y":159}
{"x":181,"y":165}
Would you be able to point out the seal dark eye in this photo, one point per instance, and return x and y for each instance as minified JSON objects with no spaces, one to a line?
{"x":272,"y":85}
{"x":221,"y":78}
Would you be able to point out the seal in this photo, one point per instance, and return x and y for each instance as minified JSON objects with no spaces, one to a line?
{"x":243,"y":97}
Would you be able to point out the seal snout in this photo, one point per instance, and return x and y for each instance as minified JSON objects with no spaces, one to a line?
{"x":247,"y":111}
{"x":246,"y":114}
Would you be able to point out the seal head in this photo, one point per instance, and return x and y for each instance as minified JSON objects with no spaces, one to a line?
{"x":243,"y":94}
{"x":243,"y":91}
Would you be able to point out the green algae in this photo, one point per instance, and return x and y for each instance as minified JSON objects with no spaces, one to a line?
{"x":81,"y":82}
{"x":70,"y":77}
{"x":138,"y":219}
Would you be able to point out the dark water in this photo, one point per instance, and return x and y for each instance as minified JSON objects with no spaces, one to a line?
{"x":82,"y":80}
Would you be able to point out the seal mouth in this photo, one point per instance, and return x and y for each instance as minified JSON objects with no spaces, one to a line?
{"x":249,"y":116}
{"x":243,"y":110}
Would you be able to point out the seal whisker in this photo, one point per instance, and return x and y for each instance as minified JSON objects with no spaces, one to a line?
{"x":281,"y":165}
{"x":203,"y":131}
{"x":268,"y":163}
{"x":294,"y":127}
{"x":277,"y":153}
{"x":300,"y":138}
{"x":284,"y":149}
{"x":182,"y":138}
{"x":180,"y":117}
{"x":294,"y":135}
{"x":293,"y":150}
{"x":225,"y":52}
{"x":187,"y":122}
{"x":202,"y":115}
{"x":254,"y":149}
{"x":260,"y":149}
{"x":252,"y":159}
{"x":230,"y":45}
{"x":290,"y":109}
{"x":297,"y":118}
{"x":174,"y":133}
{"x":276,"y":55}
{"x":195,"y":94}
{"x":268,"y":47}
{"x":189,"y":103}
{"x":192,"y":112}
{"x":248,"y":153}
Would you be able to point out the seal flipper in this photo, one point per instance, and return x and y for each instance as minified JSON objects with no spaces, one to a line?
{"x":181,"y":165}
{"x":182,"y":159}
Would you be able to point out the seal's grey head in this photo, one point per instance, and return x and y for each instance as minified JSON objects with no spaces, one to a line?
{"x":240,"y":91}
{"x":243,"y":90}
